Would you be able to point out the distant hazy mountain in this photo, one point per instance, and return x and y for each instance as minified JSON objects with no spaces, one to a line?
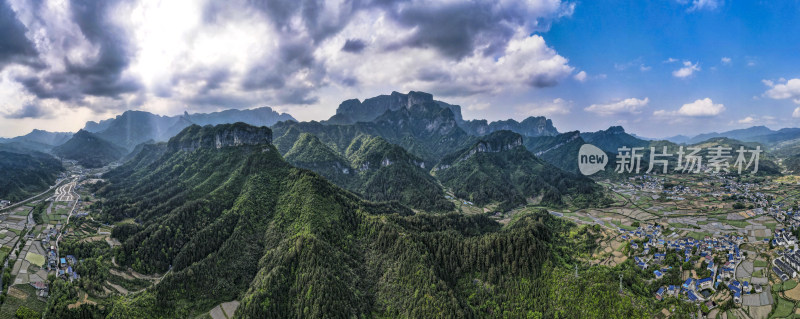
{"x":679,"y":139}
{"x":612,"y":139}
{"x":89,"y":150}
{"x":135,"y":127}
{"x":37,"y":140}
{"x":746,"y":134}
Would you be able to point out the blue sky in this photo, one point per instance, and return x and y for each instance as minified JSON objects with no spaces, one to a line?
{"x":624,"y":50}
{"x":658,"y":68}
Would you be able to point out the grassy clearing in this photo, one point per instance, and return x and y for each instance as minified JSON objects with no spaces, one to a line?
{"x":783,"y":309}
{"x":760,"y":263}
{"x":23,"y":212}
{"x":788,"y":285}
{"x":4,"y":252}
{"x":697,"y":235}
{"x":35,"y":259}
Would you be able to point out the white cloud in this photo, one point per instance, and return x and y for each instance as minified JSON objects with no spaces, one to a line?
{"x":687,"y":70}
{"x":726,"y":60}
{"x":558,"y":106}
{"x":626,"y":106}
{"x":699,"y":108}
{"x":698,"y":5}
{"x":203,"y":56}
{"x":581,"y":76}
{"x":796,"y":113}
{"x":527,"y":62}
{"x":786,"y":90}
{"x":747,"y":120}
{"x":637,"y":63}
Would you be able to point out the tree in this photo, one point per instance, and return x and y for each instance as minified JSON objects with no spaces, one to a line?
{"x":27,"y":313}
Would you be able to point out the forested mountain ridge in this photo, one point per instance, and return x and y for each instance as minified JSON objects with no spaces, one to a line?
{"x":498,"y":168}
{"x":426,"y":130}
{"x":559,"y":150}
{"x":89,"y":150}
{"x":237,"y":222}
{"x":373,"y":168}
{"x":25,"y":174}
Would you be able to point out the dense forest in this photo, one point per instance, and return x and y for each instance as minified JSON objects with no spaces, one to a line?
{"x":237,"y":222}
{"x":24,"y":175}
{"x":89,"y":150}
{"x":498,"y":168}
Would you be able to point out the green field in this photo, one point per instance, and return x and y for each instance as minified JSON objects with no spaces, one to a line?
{"x":35,"y":259}
{"x":760,"y":263}
{"x":785,"y":286}
{"x":23,"y":212}
{"x":4,"y":251}
{"x":783,"y":309}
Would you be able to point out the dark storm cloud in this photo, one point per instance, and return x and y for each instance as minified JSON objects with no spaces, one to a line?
{"x":102,"y":76}
{"x":294,"y":56}
{"x":354,"y":45}
{"x":456,"y":28}
{"x":14,"y":45}
{"x":542,"y":81}
{"x":31,"y":110}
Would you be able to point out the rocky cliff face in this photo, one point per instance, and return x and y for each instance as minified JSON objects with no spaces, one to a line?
{"x":224,"y":135}
{"x":531,"y":126}
{"x":498,"y":142}
{"x":351,"y":111}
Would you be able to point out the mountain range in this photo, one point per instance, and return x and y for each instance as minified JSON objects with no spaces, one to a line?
{"x":219,"y":210}
{"x":424,"y":131}
{"x":361,"y":215}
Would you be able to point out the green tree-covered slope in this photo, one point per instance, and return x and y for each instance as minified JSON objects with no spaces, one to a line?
{"x":89,"y":150}
{"x":234,"y":221}
{"x":498,"y":168}
{"x":23,"y":175}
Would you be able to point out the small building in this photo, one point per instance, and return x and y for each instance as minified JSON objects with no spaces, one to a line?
{"x":672,"y":290}
{"x":705,"y":283}
{"x":658,"y":274}
{"x":778,"y":272}
{"x":689,"y":284}
{"x":694,"y":297}
{"x":660,"y":293}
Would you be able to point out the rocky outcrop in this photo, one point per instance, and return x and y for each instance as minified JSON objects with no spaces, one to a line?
{"x":353,"y":110}
{"x":220,"y":136}
{"x":531,"y":126}
{"x":499,"y":143}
